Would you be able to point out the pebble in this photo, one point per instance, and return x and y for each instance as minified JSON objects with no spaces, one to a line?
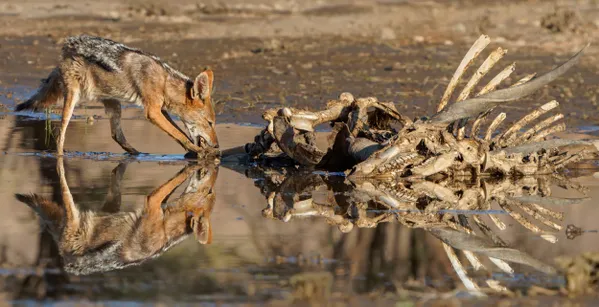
{"x":419,"y":38}
{"x":307,"y":65}
{"x":388,"y":34}
{"x":460,"y":27}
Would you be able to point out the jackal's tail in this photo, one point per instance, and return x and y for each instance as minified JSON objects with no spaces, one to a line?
{"x":49,"y":93}
{"x":50,"y":212}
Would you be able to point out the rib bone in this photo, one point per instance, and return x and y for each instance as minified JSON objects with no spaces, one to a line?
{"x":478,"y":46}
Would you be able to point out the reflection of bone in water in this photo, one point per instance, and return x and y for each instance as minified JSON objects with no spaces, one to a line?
{"x":456,"y":212}
{"x":372,"y":139}
{"x":102,"y":241}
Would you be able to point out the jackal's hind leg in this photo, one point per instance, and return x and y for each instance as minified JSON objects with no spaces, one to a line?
{"x":72,"y":96}
{"x":72,"y":214}
{"x":112,"y":204}
{"x":113,"y":109}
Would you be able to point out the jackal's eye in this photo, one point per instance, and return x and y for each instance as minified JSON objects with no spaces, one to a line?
{"x":211,"y":123}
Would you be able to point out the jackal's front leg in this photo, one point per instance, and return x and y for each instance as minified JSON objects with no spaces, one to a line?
{"x":158,"y":228}
{"x":170,"y":120}
{"x":154,"y":115}
{"x":156,"y":198}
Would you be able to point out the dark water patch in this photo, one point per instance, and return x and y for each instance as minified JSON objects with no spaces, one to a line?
{"x":340,"y":9}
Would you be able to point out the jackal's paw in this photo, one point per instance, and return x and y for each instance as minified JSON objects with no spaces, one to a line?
{"x":207,"y":154}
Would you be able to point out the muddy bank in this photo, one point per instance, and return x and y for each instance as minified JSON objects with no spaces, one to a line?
{"x":538,"y":22}
{"x":300,"y":54}
{"x":252,"y":76}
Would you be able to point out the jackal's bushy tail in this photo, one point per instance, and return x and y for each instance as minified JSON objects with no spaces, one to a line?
{"x":49,"y":93}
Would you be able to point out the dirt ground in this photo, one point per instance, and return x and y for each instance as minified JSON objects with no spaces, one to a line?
{"x":301,"y":53}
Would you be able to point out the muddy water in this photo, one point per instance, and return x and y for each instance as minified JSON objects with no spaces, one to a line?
{"x":255,"y":257}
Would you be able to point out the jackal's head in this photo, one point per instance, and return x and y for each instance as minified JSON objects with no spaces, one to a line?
{"x":199,"y":116}
{"x":200,"y":199}
{"x":200,"y":221}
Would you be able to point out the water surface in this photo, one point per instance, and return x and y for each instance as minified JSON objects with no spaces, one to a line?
{"x":277,"y":237}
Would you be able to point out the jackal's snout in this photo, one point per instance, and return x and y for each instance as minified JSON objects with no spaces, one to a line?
{"x":206,"y":136}
{"x":203,"y":135}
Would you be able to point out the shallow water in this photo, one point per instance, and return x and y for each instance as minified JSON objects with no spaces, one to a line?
{"x":258,"y":254}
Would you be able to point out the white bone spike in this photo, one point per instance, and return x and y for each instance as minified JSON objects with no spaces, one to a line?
{"x":459,"y":269}
{"x":537,"y":216}
{"x":502,"y":265}
{"x":492,"y":85}
{"x":493,"y":126}
{"x":484,"y":68}
{"x":505,"y":137}
{"x":549,"y":131}
{"x":538,"y":127}
{"x":524,"y":79}
{"x":478,"y":46}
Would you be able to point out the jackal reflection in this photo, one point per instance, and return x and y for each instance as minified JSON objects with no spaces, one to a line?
{"x":102,"y":241}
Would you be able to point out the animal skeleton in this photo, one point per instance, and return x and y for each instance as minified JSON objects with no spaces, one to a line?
{"x":429,"y":172}
{"x":447,"y":144}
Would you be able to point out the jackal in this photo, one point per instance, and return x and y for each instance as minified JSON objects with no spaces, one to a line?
{"x":91,"y":242}
{"x":98,"y":69}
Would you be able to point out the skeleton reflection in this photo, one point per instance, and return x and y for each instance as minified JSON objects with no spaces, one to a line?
{"x":92,"y":242}
{"x":456,"y":212}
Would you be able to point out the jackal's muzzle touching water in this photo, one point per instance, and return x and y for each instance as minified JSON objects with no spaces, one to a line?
{"x":92,"y":242}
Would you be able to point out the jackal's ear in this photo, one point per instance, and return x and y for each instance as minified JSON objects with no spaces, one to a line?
{"x":202,"y":86}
